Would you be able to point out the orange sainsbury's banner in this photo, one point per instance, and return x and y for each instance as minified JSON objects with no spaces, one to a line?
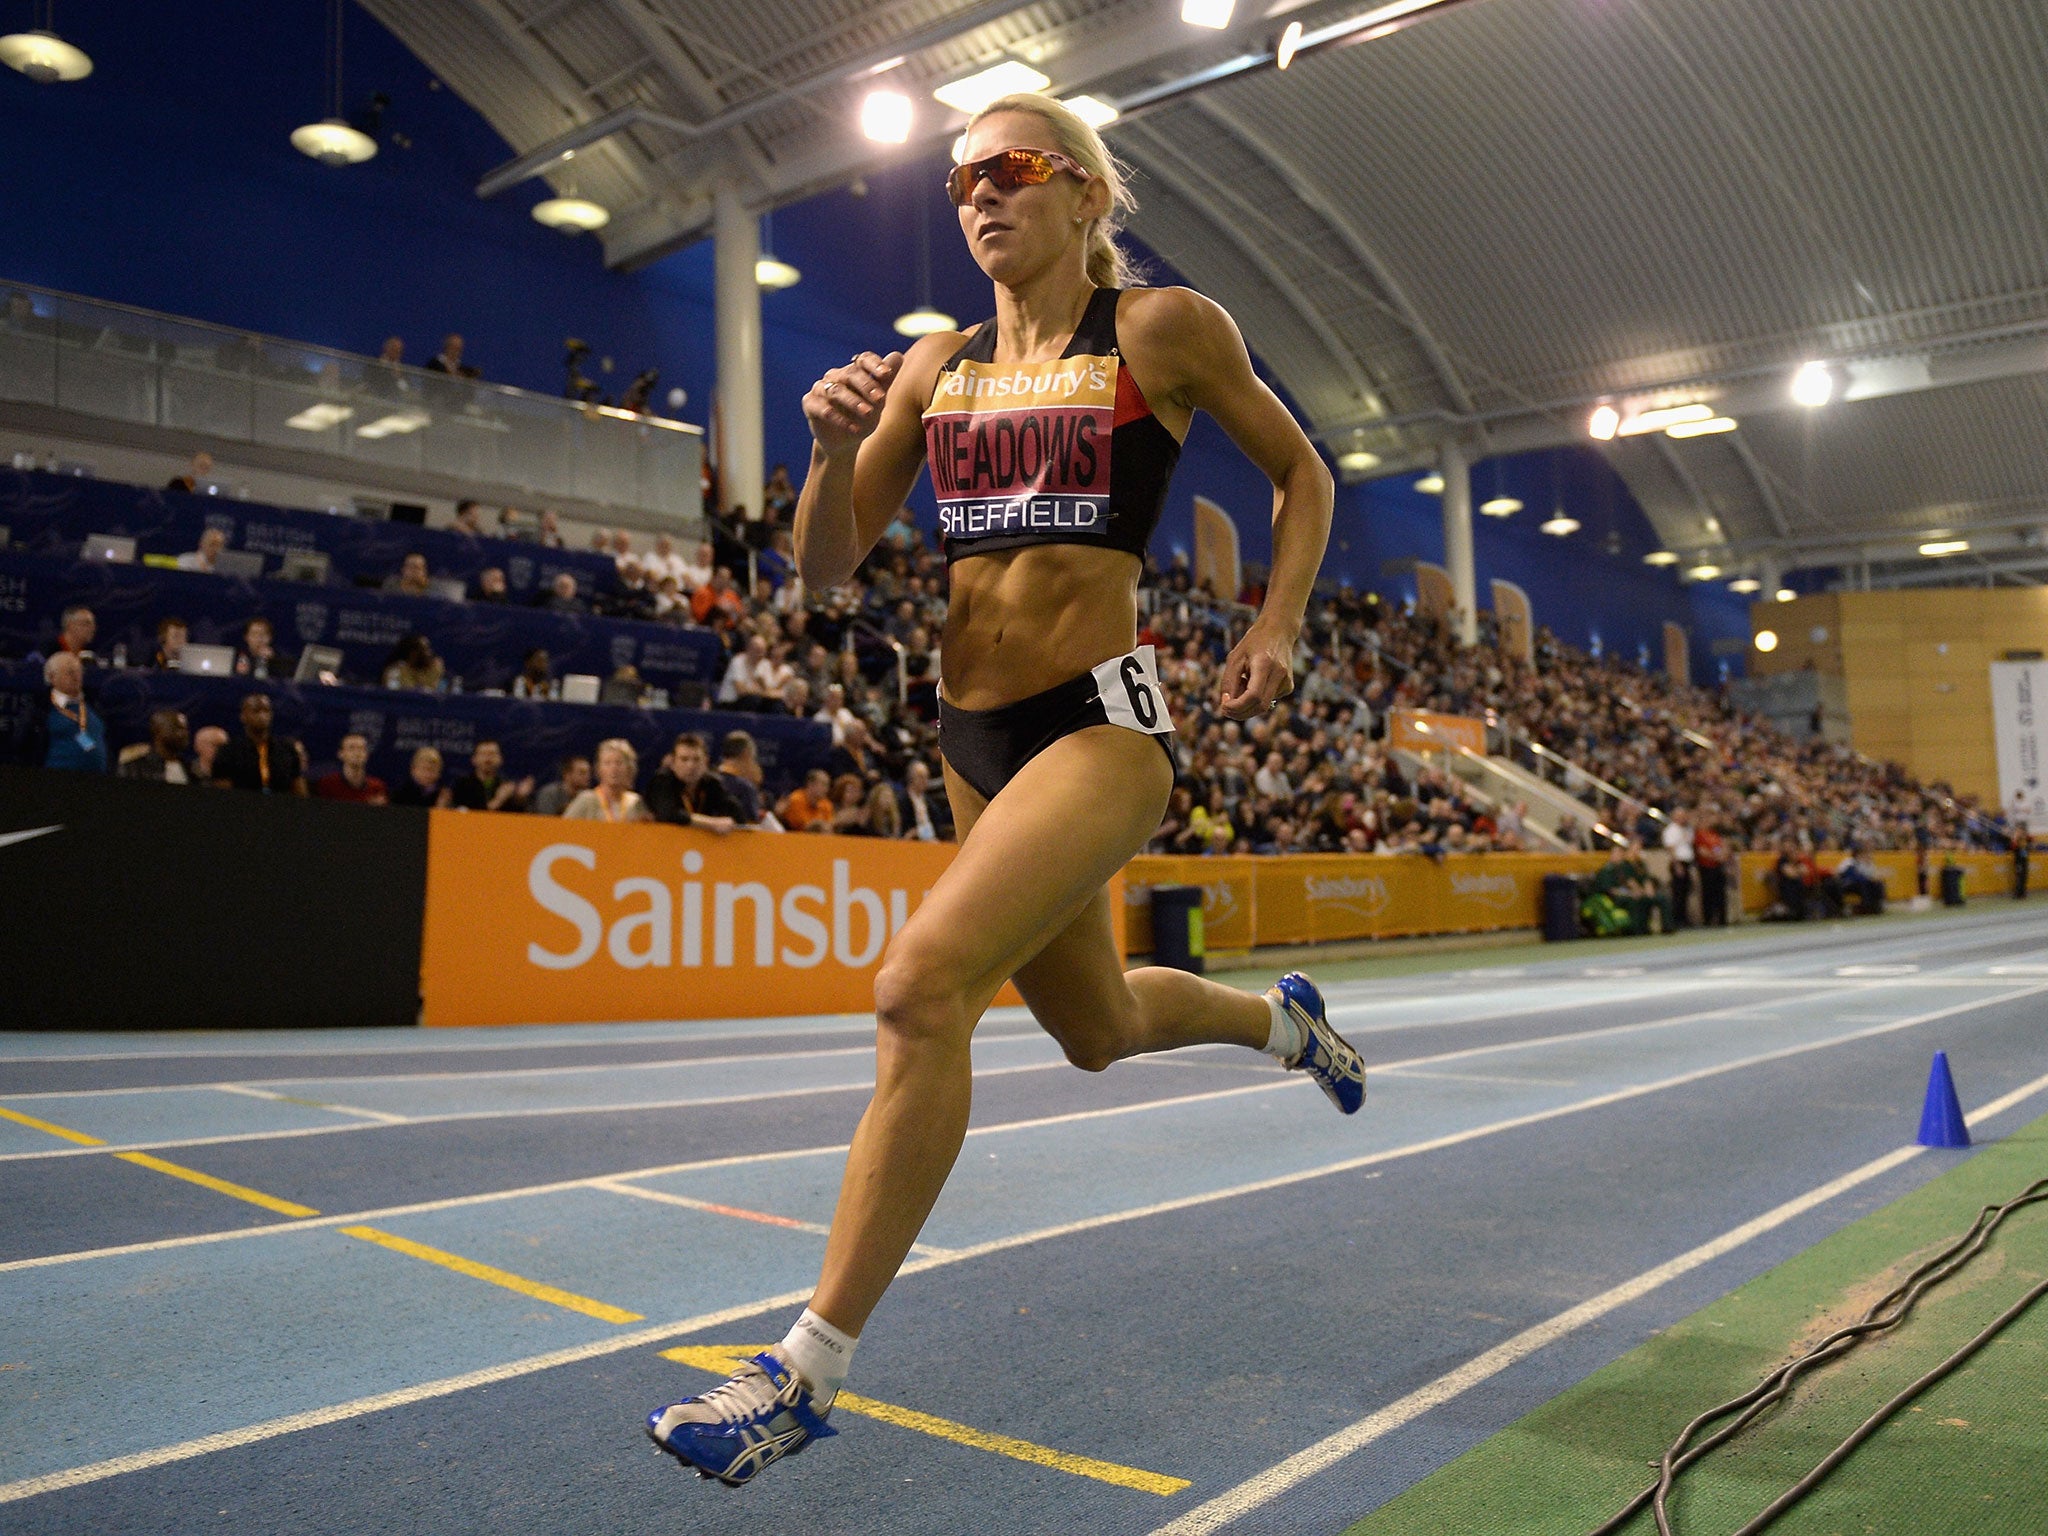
{"x":1423,"y":730}
{"x":1306,"y":898}
{"x":536,"y":920}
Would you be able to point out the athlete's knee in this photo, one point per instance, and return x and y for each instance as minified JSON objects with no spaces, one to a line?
{"x":1093,"y":1052}
{"x":917,"y":998}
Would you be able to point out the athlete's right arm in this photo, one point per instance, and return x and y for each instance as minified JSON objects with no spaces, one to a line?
{"x":867,"y":446}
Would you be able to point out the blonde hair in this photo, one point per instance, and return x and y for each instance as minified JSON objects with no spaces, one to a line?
{"x":1109,"y":266}
{"x":624,"y":748}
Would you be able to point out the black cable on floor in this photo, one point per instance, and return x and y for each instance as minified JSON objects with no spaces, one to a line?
{"x":1887,"y":1313}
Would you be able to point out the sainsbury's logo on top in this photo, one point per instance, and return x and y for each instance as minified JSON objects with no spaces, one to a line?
{"x":987,"y":386}
{"x":535,"y":920}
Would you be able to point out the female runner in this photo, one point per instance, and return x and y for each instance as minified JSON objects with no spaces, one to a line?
{"x":1051,"y":431}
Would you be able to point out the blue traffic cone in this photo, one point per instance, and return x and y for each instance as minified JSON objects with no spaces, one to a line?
{"x":1941,"y":1122}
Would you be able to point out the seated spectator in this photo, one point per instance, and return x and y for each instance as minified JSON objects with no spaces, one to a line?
{"x":687,"y":793}
{"x":808,"y":808}
{"x":739,"y":770}
{"x":197,"y":474}
{"x":849,"y":805}
{"x":778,"y":496}
{"x":573,"y":777}
{"x":259,"y":760}
{"x":696,"y":572}
{"x":352,"y":780}
{"x":469,"y":519}
{"x":670,"y":606}
{"x":717,"y":604}
{"x":422,"y":786}
{"x":612,"y":797}
{"x":392,"y":356}
{"x":550,"y":534}
{"x":66,"y":733}
{"x":484,"y":787}
{"x":740,"y":688}
{"x":490,"y":586}
{"x":881,"y":816}
{"x":624,"y":686}
{"x":171,"y":633}
{"x":1624,"y":881}
{"x":536,"y":679}
{"x":206,"y":744}
{"x":560,"y":595}
{"x":855,"y":753}
{"x":1790,"y":883}
{"x":258,"y":656}
{"x":414,"y":666}
{"x":163,"y":760}
{"x":449,"y":360}
{"x":206,"y":557}
{"x":622,"y":549}
{"x":1859,"y":880}
{"x":633,"y":599}
{"x":925,"y":814}
{"x":514,"y":524}
{"x":413,"y":578}
{"x":600,"y":541}
{"x":76,"y":628}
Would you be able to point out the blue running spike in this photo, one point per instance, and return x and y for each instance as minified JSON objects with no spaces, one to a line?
{"x":1941,"y":1122}
{"x":1325,"y":1055}
{"x":734,"y":1432}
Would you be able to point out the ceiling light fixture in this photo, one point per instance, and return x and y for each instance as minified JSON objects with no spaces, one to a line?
{"x":770,"y":272}
{"x":1745,"y":585}
{"x":1290,"y":40}
{"x":1662,"y":418}
{"x":1092,"y":110}
{"x":927,"y":317}
{"x":1705,"y":428}
{"x":1603,"y":423}
{"x":397,"y":424}
{"x":1661,"y":557}
{"x":1785,"y":595}
{"x":1934,"y":549}
{"x":1502,"y":506}
{"x":1706,"y":570}
{"x":42,"y":55}
{"x":1214,"y":14}
{"x":1813,"y":385}
{"x":334,"y":140}
{"x":572,"y":215}
{"x":1766,"y":640}
{"x":977,"y":90}
{"x":923,"y":321}
{"x":886,"y":116}
{"x":1431,"y":484}
{"x":1559,"y":525}
{"x":1357,"y":461}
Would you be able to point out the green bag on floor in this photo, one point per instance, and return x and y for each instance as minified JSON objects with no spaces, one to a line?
{"x":1607,"y":917}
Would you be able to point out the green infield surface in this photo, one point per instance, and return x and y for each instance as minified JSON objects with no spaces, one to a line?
{"x":1969,"y":1457}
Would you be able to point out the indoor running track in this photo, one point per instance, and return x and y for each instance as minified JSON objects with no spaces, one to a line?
{"x":377,"y":1281}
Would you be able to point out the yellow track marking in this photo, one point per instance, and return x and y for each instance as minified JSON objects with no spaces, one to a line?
{"x":55,"y":1130}
{"x":723,"y":1360}
{"x":511,"y":1282}
{"x":208,"y":1181}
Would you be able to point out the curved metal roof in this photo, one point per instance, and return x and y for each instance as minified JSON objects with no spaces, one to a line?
{"x":1480,"y":225}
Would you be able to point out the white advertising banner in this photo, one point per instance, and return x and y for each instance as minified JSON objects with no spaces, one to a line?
{"x":2019,"y":713}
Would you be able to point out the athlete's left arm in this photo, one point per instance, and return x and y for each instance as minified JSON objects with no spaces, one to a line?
{"x":1191,"y":347}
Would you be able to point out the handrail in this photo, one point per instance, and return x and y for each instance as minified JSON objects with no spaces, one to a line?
{"x":866,"y":627}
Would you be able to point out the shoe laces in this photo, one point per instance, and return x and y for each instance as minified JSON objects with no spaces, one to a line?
{"x":749,"y":1393}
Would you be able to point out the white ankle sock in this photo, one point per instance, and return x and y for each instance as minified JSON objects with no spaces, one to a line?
{"x":820,"y":1353}
{"x":1286,"y":1041}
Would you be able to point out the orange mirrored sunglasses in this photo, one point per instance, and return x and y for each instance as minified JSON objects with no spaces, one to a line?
{"x":1009,"y":169}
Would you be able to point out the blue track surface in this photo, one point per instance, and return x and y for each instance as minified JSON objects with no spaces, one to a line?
{"x":1187,"y":1265}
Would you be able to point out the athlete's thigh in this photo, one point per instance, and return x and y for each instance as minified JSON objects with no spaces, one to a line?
{"x":1035,"y":857}
{"x":1075,"y":985}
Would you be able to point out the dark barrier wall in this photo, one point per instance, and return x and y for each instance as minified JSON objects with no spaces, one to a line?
{"x":483,"y":644}
{"x":52,"y":514}
{"x":535,"y":735}
{"x":140,"y":906}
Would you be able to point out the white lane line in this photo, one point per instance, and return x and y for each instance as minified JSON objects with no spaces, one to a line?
{"x":524,"y":1113}
{"x":73,"y":1477}
{"x":1876,"y":970}
{"x":1476,"y":1077}
{"x":1665,"y":1022}
{"x":1304,"y":1464}
{"x":285,"y":1098}
{"x":250,"y":1085}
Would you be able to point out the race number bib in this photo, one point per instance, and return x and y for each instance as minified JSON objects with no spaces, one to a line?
{"x":1131,"y":695}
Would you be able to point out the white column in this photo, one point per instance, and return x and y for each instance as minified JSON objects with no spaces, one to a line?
{"x":1457,"y":499}
{"x":737,"y":239}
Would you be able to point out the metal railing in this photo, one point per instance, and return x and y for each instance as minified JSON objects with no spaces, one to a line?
{"x":130,"y":365}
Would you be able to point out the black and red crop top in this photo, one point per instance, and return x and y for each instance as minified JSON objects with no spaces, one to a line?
{"x":1065,"y":452}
